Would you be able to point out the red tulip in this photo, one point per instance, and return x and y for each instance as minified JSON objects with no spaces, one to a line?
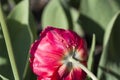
{"x":52,"y":55}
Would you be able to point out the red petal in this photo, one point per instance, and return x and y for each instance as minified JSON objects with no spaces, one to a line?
{"x":47,"y":53}
{"x":78,"y":74}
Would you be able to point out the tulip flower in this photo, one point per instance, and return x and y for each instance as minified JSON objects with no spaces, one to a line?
{"x":53,"y":56}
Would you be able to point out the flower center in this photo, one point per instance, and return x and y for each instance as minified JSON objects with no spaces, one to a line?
{"x":69,"y":59}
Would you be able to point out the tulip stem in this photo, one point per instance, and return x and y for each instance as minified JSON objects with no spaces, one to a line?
{"x":86,"y":70}
{"x":8,"y":45}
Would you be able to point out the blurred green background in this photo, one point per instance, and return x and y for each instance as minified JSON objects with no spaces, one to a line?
{"x":26,"y":18}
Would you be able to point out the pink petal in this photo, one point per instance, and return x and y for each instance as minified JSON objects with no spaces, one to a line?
{"x":78,"y":74}
{"x":48,"y":52}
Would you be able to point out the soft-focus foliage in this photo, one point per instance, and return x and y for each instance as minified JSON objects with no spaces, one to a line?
{"x":109,"y":67}
{"x":26,"y":18}
{"x":22,"y":34}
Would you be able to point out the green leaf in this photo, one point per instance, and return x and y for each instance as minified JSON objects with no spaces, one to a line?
{"x":5,"y":67}
{"x":72,"y":17}
{"x":67,"y":12}
{"x":22,"y":32}
{"x":100,"y":11}
{"x":8,"y":44}
{"x":54,"y":14}
{"x":3,"y":61}
{"x":90,"y":62}
{"x":109,"y":66}
{"x":90,"y":27}
{"x":96,"y":14}
{"x":91,"y":55}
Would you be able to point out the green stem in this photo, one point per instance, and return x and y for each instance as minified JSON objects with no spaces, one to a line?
{"x":90,"y":74}
{"x":8,"y":45}
{"x":3,"y":78}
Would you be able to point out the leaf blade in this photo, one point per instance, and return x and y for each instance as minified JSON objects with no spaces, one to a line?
{"x":91,"y":55}
{"x":109,"y":63}
{"x":22,"y":32}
